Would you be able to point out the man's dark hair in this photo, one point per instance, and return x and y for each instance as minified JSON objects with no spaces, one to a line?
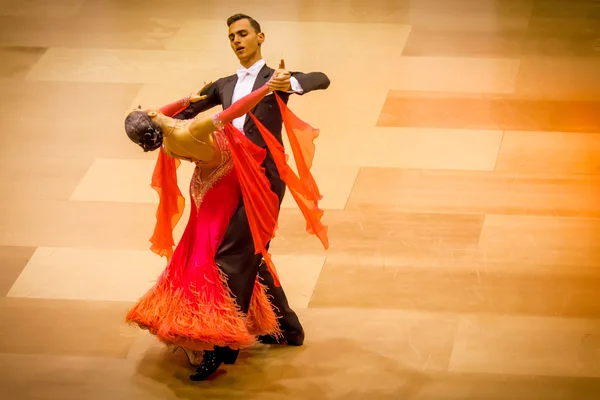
{"x":253,"y":23}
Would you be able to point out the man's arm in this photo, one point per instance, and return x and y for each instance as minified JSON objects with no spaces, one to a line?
{"x":309,"y":82}
{"x":211,"y":91}
{"x":297,"y":82}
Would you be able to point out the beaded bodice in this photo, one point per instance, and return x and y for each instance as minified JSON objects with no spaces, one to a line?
{"x":203,"y":181}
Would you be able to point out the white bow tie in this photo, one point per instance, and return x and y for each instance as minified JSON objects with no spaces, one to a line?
{"x":242,"y":72}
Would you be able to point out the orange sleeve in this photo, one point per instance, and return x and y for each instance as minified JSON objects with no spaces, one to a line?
{"x":304,"y":189}
{"x":171,"y":202}
{"x":170,"y":205}
{"x":172,"y":109}
{"x":261,"y":204}
{"x":301,"y":136}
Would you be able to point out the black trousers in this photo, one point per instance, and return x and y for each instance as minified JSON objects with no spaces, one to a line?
{"x":235,"y":257}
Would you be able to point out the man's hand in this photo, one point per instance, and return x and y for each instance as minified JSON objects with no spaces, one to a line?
{"x":195,"y":97}
{"x":280,"y":80}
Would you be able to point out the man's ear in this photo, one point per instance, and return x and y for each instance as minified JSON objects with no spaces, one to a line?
{"x":152,"y":114}
{"x":261,"y":38}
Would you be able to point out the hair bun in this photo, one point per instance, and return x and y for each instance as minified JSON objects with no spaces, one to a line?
{"x":151,"y":140}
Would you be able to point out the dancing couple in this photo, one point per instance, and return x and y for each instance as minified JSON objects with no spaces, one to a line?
{"x":220,"y":291}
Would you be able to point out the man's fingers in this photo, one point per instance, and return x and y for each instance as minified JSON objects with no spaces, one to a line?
{"x":281,"y":78}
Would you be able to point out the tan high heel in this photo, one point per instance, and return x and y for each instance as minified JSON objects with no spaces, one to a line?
{"x":193,"y":356}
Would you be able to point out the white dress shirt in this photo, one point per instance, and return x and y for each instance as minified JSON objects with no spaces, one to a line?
{"x":245,"y":83}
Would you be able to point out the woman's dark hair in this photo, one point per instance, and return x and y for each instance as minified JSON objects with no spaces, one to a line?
{"x":143,"y":131}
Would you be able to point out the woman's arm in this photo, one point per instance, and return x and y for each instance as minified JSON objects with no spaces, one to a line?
{"x":210,"y":97}
{"x":202,"y":128}
{"x":240,"y":107}
{"x":196,"y":135}
{"x":175,"y":107}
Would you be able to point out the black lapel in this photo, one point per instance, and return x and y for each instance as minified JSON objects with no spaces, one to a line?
{"x":263,"y":77}
{"x":228,"y":91}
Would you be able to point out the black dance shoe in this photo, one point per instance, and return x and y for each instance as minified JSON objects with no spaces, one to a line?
{"x":212,"y":360}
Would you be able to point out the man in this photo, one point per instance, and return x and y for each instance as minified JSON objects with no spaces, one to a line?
{"x":236,"y":254}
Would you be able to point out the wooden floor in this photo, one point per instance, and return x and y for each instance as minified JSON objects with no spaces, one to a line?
{"x":459,"y":157}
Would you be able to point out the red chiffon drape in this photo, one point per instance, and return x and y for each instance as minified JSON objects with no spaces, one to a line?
{"x":262,"y":205}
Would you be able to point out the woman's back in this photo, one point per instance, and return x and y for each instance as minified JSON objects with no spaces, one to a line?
{"x":184,"y":143}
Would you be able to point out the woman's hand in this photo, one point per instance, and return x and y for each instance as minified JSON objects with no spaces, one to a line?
{"x":195,"y":97}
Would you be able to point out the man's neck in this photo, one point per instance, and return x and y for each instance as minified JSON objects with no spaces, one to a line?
{"x":251,"y":62}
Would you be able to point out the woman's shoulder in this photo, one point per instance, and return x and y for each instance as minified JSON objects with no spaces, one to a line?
{"x":176,"y":140}
{"x":169,"y":151}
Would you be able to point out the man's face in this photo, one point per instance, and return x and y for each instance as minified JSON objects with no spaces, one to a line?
{"x":244,"y":40}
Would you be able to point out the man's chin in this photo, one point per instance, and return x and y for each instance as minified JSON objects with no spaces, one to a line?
{"x":245,"y":57}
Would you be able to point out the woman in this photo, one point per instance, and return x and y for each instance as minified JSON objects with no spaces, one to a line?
{"x":191,"y":306}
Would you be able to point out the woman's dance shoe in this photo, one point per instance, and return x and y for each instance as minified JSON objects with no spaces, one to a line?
{"x":212,"y":360}
{"x":193,"y":356}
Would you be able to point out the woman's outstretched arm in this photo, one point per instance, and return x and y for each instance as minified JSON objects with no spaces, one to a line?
{"x":202,"y":128}
{"x":175,"y":107}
